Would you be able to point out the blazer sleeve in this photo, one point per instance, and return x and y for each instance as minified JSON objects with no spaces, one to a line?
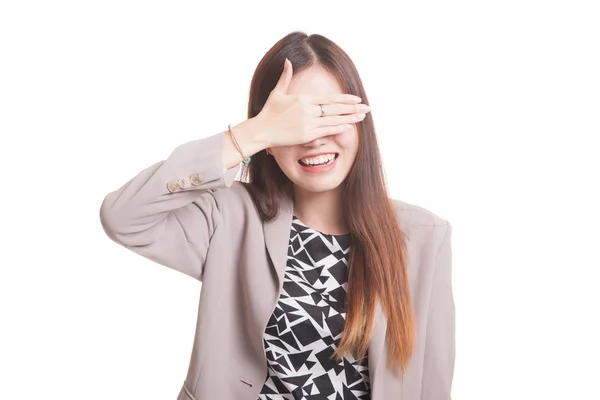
{"x":438,"y":369}
{"x":169,"y":211}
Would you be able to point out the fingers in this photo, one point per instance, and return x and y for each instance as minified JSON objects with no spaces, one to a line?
{"x":339,"y":119}
{"x":340,"y":114}
{"x":343,"y":109}
{"x":285,"y":78}
{"x":332,"y":98}
{"x":330,"y":130}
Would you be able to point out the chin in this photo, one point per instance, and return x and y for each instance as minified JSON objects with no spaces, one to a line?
{"x":318,"y":185}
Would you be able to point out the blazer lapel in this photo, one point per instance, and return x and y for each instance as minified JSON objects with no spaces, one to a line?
{"x":277,"y":237}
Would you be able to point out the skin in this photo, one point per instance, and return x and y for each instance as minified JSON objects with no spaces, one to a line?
{"x":318,"y":196}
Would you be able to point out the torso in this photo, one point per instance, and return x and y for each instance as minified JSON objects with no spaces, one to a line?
{"x":305,"y":328}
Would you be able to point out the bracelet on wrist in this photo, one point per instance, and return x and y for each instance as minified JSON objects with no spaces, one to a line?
{"x":246,"y":160}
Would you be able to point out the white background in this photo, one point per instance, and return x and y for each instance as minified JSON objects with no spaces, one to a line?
{"x":487,"y":114}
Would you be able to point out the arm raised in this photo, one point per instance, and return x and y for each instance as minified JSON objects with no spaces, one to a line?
{"x":169,"y":212}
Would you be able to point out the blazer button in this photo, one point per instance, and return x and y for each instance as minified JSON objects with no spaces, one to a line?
{"x":185,"y":183}
{"x":173,"y":187}
{"x":196,"y":179}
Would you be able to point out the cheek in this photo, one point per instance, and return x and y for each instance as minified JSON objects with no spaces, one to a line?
{"x":348,"y":141}
{"x":285,"y":156}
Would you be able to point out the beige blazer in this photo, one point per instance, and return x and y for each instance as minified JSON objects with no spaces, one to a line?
{"x":190,"y":215}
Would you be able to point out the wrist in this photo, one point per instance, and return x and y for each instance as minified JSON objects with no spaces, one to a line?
{"x":250,"y":136}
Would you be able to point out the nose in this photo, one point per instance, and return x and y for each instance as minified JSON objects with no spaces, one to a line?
{"x":318,"y":142}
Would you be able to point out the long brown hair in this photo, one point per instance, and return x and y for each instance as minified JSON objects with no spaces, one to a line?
{"x":377,"y":261}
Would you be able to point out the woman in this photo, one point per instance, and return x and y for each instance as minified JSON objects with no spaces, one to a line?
{"x":316,"y":285}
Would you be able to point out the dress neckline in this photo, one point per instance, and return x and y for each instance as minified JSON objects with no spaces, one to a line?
{"x":319,"y":232}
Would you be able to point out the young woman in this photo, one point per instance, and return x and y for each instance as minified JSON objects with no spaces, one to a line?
{"x":316,"y":285}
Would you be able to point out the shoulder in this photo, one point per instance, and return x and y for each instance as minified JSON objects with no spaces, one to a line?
{"x":413,"y":215}
{"x":421,"y":226}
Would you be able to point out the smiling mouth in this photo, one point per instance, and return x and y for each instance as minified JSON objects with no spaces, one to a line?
{"x":335,"y":157}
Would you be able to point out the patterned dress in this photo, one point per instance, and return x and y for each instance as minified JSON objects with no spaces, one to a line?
{"x":305,"y":328}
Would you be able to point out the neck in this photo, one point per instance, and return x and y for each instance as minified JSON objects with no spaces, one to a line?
{"x":321,"y":211}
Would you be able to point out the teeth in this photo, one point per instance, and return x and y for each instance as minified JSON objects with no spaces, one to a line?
{"x":318,"y":160}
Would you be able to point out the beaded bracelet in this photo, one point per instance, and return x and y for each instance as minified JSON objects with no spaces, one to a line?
{"x":237,"y":145}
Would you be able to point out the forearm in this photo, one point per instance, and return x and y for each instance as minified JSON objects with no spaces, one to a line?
{"x":147,"y":198}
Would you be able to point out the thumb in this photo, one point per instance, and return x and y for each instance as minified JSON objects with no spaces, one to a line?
{"x":285,"y":78}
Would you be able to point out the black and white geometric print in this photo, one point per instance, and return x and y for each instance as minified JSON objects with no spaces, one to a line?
{"x":305,"y":328}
